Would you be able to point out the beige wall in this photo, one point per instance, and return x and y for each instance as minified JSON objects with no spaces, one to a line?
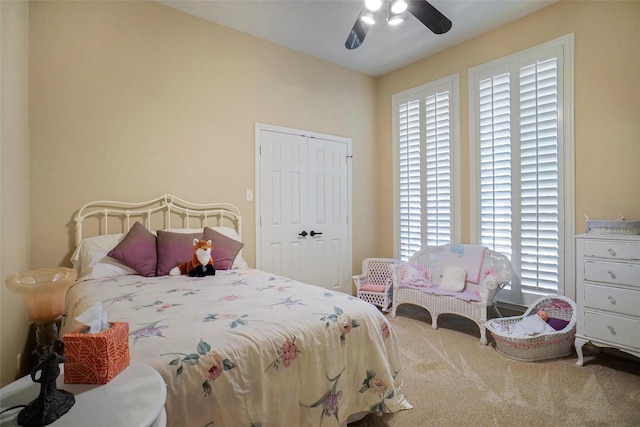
{"x":131,"y":100}
{"x":14,"y":186}
{"x":607,"y":104}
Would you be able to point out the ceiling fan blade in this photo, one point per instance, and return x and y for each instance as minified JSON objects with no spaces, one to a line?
{"x":357,"y":34}
{"x":431,"y":17}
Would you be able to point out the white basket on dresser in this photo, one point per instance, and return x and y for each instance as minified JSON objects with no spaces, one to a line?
{"x":608,"y":292}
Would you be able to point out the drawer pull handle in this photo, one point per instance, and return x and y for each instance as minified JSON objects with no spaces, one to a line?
{"x":612,"y":274}
{"x":612,"y":252}
{"x":612,"y":300}
{"x":611,"y":329}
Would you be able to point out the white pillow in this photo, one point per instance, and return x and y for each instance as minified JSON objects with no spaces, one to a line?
{"x":91,"y":261}
{"x":453,"y":278}
{"x":185,"y":230}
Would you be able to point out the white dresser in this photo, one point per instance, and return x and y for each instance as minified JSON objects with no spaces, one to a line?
{"x":608,"y":292}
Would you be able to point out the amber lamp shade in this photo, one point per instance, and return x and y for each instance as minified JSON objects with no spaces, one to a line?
{"x":43,"y":291}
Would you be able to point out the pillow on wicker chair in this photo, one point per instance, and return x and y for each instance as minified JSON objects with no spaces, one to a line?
{"x":372,"y":287}
{"x":453,"y":278}
{"x":414,"y":275}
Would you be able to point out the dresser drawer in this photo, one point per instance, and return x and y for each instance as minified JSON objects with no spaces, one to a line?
{"x":612,"y":250}
{"x":615,"y":300}
{"x":614,"y":329}
{"x":612,"y":272}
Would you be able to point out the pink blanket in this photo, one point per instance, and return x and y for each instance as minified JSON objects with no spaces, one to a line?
{"x":469,"y":257}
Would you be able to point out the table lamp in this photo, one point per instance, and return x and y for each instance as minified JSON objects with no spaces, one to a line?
{"x":43,"y":292}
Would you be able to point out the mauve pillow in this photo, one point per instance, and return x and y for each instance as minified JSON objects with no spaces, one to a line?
{"x":223,"y":249}
{"x":174,"y":249}
{"x":137,"y":250}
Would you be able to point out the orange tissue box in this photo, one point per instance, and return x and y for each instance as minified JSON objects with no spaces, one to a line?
{"x":96,"y":358}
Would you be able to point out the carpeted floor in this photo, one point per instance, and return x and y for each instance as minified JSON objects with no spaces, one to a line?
{"x":452,"y":380}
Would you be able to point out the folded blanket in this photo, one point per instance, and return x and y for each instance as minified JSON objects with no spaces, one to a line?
{"x":469,"y":257}
{"x":530,"y":326}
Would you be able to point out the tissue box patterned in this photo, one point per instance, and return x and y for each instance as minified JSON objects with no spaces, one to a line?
{"x":96,"y":358}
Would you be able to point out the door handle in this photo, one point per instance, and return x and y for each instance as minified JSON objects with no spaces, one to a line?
{"x":303,"y":234}
{"x":313,"y":233}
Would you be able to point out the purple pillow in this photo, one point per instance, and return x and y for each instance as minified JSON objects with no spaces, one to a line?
{"x":174,"y":249}
{"x":557,"y":324}
{"x":223,"y":249}
{"x":137,"y":250}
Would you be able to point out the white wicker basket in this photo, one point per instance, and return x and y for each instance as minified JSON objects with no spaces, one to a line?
{"x":543,"y":346}
{"x":602,"y":226}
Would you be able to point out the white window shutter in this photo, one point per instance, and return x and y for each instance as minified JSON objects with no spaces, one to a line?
{"x":496,"y":217}
{"x":518,"y":139}
{"x":425,"y":137}
{"x":438,"y":188}
{"x":410,"y":177}
{"x":539,"y":175}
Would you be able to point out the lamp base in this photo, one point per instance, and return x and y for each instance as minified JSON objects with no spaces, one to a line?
{"x":40,"y":412}
{"x":51,"y":403}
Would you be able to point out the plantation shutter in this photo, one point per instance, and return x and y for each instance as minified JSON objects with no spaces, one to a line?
{"x":495,"y":164}
{"x":438,"y":169}
{"x":519,"y":174}
{"x":410,"y":177}
{"x":539,"y":175}
{"x":425,"y":170}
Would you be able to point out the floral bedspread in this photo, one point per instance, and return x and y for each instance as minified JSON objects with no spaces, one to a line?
{"x":247,"y":348}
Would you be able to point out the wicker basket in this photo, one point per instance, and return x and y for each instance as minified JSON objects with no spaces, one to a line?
{"x":602,"y":226}
{"x":543,"y":346}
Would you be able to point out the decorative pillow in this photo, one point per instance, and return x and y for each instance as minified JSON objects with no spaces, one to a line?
{"x":414,"y":275}
{"x":137,"y":250}
{"x":557,"y":324}
{"x":91,"y":261}
{"x":224,"y":249}
{"x":233,"y":234}
{"x":453,"y":278}
{"x":174,"y":249}
{"x":372,"y":287}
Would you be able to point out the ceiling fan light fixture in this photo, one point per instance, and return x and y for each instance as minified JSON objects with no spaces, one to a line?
{"x":398,"y":6}
{"x":373,"y":5}
{"x":368,"y":18}
{"x":395,"y":19}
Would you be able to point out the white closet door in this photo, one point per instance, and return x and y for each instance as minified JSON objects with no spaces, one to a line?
{"x":303,"y":227}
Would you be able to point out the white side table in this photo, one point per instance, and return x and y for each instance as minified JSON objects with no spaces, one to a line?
{"x":135,"y":397}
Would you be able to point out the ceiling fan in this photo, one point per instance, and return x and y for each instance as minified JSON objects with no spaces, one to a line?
{"x":431,"y":17}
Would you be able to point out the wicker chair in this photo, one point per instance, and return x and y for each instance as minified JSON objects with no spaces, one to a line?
{"x":495,"y":273}
{"x":374,"y":285}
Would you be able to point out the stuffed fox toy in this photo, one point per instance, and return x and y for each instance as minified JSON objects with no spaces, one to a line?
{"x":200,"y":265}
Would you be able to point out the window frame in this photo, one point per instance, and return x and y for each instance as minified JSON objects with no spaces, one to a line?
{"x":566,"y":265}
{"x":452,"y":84}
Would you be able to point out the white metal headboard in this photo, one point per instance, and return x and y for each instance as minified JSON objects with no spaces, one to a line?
{"x":165,"y":212}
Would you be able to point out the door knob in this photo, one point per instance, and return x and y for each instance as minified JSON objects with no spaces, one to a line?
{"x":304,"y":234}
{"x":313,"y":233}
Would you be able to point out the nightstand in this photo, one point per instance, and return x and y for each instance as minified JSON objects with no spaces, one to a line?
{"x":135,"y":397}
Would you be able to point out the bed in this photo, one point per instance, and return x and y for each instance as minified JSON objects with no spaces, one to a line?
{"x":242,"y":347}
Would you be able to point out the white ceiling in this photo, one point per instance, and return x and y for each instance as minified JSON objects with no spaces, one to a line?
{"x":320,"y":27}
